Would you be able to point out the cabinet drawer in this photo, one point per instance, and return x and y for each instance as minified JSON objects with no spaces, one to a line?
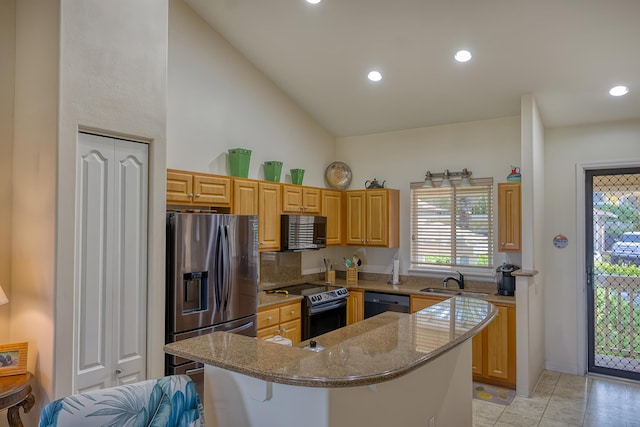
{"x":289,"y":312}
{"x":267,"y":318}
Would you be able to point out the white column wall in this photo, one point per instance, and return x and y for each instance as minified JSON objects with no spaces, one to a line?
{"x":7,"y":76}
{"x":80,"y":64}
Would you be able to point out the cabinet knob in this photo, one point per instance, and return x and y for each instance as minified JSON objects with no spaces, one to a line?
{"x":197,"y":195}
{"x":284,"y":331}
{"x":118,"y":371}
{"x":293,"y":312}
{"x":501,"y":243}
{"x":269,"y":318}
{"x":190,"y":195}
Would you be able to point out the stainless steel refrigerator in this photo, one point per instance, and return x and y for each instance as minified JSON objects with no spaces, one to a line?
{"x":212,"y":279}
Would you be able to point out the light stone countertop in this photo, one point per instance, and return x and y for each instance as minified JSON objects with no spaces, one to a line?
{"x":266,"y":300}
{"x":374,"y":350}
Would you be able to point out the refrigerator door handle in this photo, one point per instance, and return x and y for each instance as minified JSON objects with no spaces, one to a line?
{"x":219,"y":269}
{"x":227,"y":266}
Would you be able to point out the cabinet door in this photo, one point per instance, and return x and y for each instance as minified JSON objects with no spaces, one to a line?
{"x":332,"y":209}
{"x":179,"y":187}
{"x":355,"y":306}
{"x":417,"y":303}
{"x":269,"y":332}
{"x":292,"y":330}
{"x":501,"y":345}
{"x":245,"y":197}
{"x":477,"y":355}
{"x":211,"y":190}
{"x":509,"y":217}
{"x":269,"y":217}
{"x":311,"y":200}
{"x":355,"y":227}
{"x":292,"y":199}
{"x":376,"y":218}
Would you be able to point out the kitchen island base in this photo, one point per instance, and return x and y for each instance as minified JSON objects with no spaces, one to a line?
{"x":438,"y":391}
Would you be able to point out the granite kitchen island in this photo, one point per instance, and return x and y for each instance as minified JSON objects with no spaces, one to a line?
{"x":390,"y":369}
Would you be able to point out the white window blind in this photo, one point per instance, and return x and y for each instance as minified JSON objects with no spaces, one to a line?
{"x":452,"y":226}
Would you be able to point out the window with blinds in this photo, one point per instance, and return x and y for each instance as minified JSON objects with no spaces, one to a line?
{"x":452,"y":226}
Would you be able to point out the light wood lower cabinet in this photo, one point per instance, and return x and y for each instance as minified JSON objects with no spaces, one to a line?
{"x":355,"y":306}
{"x":493,"y":349}
{"x":497,"y":365}
{"x":283,"y":319}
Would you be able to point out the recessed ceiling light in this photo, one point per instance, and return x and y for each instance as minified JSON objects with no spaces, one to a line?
{"x":374,"y":76}
{"x":314,"y":1}
{"x":463,"y":56}
{"x":618,"y":91}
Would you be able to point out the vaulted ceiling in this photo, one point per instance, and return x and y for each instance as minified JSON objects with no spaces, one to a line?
{"x":567,"y":53}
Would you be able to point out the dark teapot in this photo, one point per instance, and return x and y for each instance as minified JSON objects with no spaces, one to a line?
{"x":374,"y":184}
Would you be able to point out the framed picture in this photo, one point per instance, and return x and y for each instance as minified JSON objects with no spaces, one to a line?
{"x":13,"y":358}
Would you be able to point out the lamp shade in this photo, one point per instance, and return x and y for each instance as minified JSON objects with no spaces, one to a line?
{"x":3,"y":297}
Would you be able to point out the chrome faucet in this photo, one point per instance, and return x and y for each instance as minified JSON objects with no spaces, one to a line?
{"x":459,"y":280}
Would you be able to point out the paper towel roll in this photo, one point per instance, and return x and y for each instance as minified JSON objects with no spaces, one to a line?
{"x":396,"y":271}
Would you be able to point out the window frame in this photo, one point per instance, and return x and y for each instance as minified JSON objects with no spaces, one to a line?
{"x":488,"y":227}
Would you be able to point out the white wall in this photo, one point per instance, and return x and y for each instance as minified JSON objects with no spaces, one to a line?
{"x":564,"y":149}
{"x":530,"y":322}
{"x":218,"y":100}
{"x":487,"y":148}
{"x":34,"y":189}
{"x":7,"y":74}
{"x":80,"y":64}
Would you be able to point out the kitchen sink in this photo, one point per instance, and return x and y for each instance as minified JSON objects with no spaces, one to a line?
{"x":462,"y":293}
{"x":440,"y":291}
{"x":472,"y":294}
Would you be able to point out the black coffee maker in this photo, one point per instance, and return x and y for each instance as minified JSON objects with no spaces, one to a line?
{"x":507,"y":282}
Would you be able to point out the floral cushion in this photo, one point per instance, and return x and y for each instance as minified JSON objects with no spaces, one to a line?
{"x":168,"y":401}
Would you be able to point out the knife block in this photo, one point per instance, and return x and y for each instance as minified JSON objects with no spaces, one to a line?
{"x":352,"y":276}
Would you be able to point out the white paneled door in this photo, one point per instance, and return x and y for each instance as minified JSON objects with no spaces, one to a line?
{"x":111,"y":262}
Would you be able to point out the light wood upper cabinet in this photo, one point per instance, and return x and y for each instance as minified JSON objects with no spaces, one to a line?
{"x":303,"y":200}
{"x":245,"y":197}
{"x":509,"y":217}
{"x":372,"y":218}
{"x":269,"y":199}
{"x":188,"y":188}
{"x":332,"y":209}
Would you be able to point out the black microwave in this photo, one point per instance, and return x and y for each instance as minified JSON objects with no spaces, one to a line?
{"x":303,"y":232}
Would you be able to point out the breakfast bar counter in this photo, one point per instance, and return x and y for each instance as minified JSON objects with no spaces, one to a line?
{"x":413,"y":366}
{"x":368,"y":352}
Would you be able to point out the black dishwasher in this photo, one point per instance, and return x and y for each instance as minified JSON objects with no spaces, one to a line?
{"x":378,"y":302}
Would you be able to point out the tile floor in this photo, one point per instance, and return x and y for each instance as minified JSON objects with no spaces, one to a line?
{"x":562,"y":400}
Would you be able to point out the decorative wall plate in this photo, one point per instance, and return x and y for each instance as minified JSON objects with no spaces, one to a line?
{"x":338,"y":175}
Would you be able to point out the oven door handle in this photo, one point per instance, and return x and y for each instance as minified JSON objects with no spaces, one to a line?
{"x":327,"y":307}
